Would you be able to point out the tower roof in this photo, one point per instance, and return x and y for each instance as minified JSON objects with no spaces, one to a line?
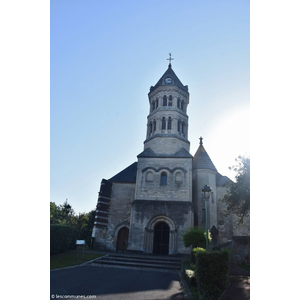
{"x":202,"y":160}
{"x":174,"y":80}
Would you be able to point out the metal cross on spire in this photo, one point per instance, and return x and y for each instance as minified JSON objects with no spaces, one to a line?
{"x":169,"y":59}
{"x":201,"y":143}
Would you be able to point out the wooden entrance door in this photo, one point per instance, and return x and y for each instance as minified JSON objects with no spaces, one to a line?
{"x":161,"y":238}
{"x":122,"y":240}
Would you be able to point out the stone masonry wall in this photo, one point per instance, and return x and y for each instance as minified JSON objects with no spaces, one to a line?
{"x":143,"y":211}
{"x":167,"y":144}
{"x":179,"y":179}
{"x":225,"y":225}
{"x":119,"y":213}
{"x":201,"y":177}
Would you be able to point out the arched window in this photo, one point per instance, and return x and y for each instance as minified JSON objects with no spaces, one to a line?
{"x":179,"y":126}
{"x":182,"y":105}
{"x":163,"y":123}
{"x":170,"y":100}
{"x":163,"y":178}
{"x":152,"y":105}
{"x":169,"y":123}
{"x":156,"y":103}
{"x":178,"y":102}
{"x":150,"y":128}
{"x":154,"y":126}
{"x":183,"y":127}
{"x":165,"y":101}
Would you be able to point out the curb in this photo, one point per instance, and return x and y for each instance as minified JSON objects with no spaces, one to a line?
{"x":186,"y":290}
{"x":80,"y":265}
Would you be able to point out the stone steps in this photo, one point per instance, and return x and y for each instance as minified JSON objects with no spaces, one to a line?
{"x":141,"y":261}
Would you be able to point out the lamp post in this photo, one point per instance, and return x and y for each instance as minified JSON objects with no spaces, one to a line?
{"x":67,"y":208}
{"x":206,"y":194}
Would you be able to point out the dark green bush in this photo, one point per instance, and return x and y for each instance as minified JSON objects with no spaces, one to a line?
{"x":62,"y":238}
{"x":194,"y":253}
{"x":195,"y":236}
{"x":212,"y":273}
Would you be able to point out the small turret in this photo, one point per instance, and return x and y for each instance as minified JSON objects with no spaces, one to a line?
{"x":201,"y":159}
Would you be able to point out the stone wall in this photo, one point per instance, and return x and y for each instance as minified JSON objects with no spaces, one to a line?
{"x":241,"y":249}
{"x":243,"y":229}
{"x":166,"y":143}
{"x":178,"y":215}
{"x":119,"y":214}
{"x":225,"y":225}
{"x":179,"y":179}
{"x":201,"y":177}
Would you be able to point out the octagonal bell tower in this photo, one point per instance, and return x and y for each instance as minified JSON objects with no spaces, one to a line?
{"x":162,"y":208}
{"x":167,"y":126}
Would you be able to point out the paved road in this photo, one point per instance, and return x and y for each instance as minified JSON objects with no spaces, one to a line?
{"x":107,"y":283}
{"x":239,"y":284}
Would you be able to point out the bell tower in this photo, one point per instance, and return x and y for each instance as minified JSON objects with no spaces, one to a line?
{"x":162,"y":205}
{"x":167,"y":124}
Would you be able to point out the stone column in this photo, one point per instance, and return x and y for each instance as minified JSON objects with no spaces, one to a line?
{"x":171,"y":242}
{"x":175,"y":240}
{"x":148,"y":240}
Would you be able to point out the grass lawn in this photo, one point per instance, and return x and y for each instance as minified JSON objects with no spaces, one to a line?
{"x":69,"y":258}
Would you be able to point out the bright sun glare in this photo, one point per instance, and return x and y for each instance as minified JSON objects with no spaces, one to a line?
{"x":231,"y":138}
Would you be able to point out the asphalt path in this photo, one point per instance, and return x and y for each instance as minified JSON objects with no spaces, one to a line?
{"x":109,"y":283}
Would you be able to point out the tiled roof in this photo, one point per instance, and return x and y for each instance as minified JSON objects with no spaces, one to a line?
{"x":127,"y":175}
{"x":222,"y":180}
{"x":202,"y":160}
{"x":176,"y":81}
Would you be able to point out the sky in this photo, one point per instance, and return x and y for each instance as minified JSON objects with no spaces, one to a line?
{"x":105,"y":55}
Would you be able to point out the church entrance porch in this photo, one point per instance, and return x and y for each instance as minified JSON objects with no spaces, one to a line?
{"x":122,"y":241}
{"x":161,"y":238}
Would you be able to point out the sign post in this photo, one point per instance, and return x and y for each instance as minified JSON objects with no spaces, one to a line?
{"x":80,"y":244}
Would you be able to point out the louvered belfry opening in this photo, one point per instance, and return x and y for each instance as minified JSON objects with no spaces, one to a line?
{"x":161,"y":238}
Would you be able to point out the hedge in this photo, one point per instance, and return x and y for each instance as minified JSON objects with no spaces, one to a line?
{"x":62,"y":238}
{"x":195,"y":236}
{"x":194,"y":253}
{"x":212,"y":273}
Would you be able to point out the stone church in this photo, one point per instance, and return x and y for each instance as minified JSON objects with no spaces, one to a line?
{"x":146,"y":207}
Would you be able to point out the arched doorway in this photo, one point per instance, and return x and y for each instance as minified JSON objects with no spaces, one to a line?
{"x":161,"y":238}
{"x":122,"y":241}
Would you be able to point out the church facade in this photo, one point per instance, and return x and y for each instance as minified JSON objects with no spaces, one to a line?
{"x":146,"y":207}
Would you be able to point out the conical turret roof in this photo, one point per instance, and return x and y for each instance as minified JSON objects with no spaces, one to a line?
{"x":174,"y":80}
{"x":202,"y":160}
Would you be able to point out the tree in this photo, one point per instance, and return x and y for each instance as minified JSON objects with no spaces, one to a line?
{"x":56,"y":215}
{"x":85,"y":224}
{"x":67,"y":211}
{"x":64,"y":215}
{"x":237,"y":197}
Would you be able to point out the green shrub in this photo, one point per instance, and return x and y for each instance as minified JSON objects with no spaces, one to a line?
{"x":194,"y":253}
{"x":195,"y":236}
{"x":212,"y":273}
{"x":62,"y":238}
{"x":198,"y":249}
